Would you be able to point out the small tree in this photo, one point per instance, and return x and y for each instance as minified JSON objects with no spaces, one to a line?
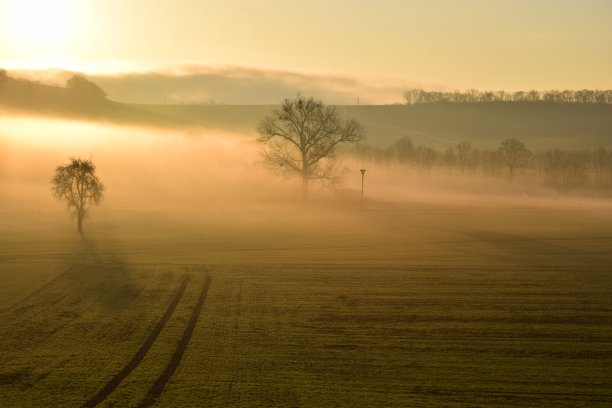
{"x":601,"y":161}
{"x":514,"y":155}
{"x":403,"y":150}
{"x":301,"y":137}
{"x":78,"y":186}
{"x":465,"y":154}
{"x":565,"y":170}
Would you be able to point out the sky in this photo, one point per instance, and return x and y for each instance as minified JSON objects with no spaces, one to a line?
{"x":436,"y":44}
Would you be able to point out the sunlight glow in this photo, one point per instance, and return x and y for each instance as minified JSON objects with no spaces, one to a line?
{"x":39,"y":24}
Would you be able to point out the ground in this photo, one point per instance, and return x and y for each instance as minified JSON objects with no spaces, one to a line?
{"x":308,"y":305}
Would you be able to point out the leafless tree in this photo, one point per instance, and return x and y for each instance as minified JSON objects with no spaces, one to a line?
{"x":403,"y":150}
{"x":449,"y":158}
{"x":78,"y":187}
{"x":583,"y":96}
{"x":465,"y":153}
{"x":301,"y":137}
{"x":425,"y":158}
{"x":601,"y":160}
{"x":514,"y":155}
{"x":564,"y":170}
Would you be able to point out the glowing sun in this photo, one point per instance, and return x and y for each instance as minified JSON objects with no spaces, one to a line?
{"x":38,"y":23}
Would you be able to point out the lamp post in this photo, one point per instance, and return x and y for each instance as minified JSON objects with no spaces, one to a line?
{"x":362,"y":176}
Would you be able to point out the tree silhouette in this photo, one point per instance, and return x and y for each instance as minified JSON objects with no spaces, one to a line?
{"x":78,"y":186}
{"x":514,"y":155}
{"x":85,"y":88}
{"x":583,"y":96}
{"x":403,"y":149}
{"x":601,"y":161}
{"x":565,"y":170}
{"x":301,"y":137}
{"x":465,"y":154}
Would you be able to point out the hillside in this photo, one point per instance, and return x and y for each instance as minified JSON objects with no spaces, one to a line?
{"x":540,"y":125}
{"x":26,"y":97}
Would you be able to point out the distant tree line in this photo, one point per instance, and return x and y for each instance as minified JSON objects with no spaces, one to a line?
{"x":584,"y":96}
{"x":563,"y":170}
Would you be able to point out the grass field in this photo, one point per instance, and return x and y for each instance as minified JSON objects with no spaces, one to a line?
{"x":308,"y":306}
{"x":540,"y":126}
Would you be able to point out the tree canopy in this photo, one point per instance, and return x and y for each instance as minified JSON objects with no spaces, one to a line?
{"x":78,"y":187}
{"x":514,"y":154}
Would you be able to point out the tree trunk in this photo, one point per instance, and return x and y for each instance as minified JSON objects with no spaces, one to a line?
{"x":305,"y":177}
{"x":80,"y":217}
{"x":304,"y":188}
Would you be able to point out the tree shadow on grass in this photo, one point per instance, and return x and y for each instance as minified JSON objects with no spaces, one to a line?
{"x":102,"y":276}
{"x":533,"y":251}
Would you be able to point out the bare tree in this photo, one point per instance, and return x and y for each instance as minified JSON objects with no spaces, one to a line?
{"x":425,"y":157}
{"x":78,"y":186}
{"x":584,"y":96}
{"x":564,"y":170}
{"x":514,"y":155}
{"x":465,"y":154}
{"x":601,"y":161}
{"x":403,"y":150}
{"x":301,"y":137}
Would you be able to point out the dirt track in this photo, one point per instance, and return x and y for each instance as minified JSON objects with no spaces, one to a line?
{"x":158,"y":387}
{"x":140,"y":354}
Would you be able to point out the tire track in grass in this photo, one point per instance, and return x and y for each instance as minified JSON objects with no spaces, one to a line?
{"x":158,"y":387}
{"x":142,"y":351}
{"x":35,"y":292}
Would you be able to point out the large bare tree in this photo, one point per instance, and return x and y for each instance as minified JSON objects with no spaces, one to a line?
{"x":301,"y":137}
{"x":78,"y":187}
{"x":514,"y":155}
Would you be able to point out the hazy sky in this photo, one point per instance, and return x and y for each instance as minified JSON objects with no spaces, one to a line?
{"x":488,"y":44}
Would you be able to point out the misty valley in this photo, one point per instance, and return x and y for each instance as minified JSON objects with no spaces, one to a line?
{"x":447,"y":280}
{"x":305,"y":204}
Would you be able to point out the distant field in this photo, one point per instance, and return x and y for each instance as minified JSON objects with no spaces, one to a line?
{"x":539,"y":125}
{"x":309,"y":306}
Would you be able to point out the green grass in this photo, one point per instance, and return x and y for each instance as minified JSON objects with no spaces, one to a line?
{"x":380,"y":336}
{"x":60,"y":345}
{"x":313,"y":306}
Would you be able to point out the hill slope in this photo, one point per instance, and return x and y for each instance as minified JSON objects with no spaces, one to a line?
{"x":27,"y":97}
{"x":540,"y":125}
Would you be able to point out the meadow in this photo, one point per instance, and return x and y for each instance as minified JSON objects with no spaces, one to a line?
{"x":202,"y":280}
{"x":312,"y":306}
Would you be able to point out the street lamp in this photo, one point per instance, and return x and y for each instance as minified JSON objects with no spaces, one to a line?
{"x":362,"y":175}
